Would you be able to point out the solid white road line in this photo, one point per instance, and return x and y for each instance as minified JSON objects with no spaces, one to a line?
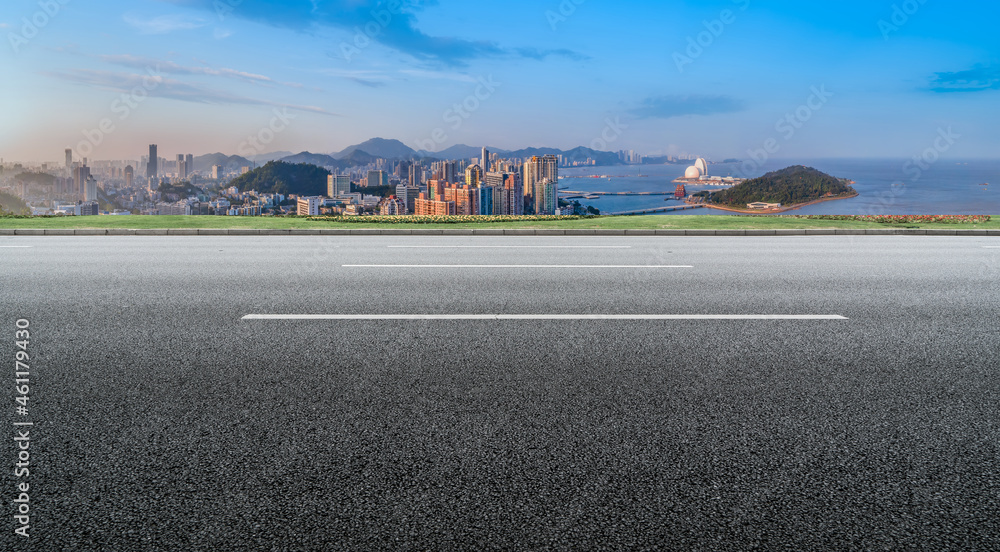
{"x":543,"y":317}
{"x":510,"y":247}
{"x":513,"y":266}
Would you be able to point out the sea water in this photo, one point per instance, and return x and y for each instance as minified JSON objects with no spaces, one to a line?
{"x":886,"y":186}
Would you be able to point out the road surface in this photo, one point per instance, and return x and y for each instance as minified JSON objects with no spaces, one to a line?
{"x":537,"y":393}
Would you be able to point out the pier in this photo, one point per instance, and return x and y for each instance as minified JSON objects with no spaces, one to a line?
{"x":582,"y":194}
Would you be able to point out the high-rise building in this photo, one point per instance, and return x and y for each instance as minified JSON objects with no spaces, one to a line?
{"x":90,"y":189}
{"x":546,"y":198}
{"x":473,"y":175}
{"x":416,"y":175}
{"x":338,"y":185}
{"x":465,"y":199}
{"x":181,"y":166}
{"x":485,"y":162}
{"x":80,"y":176}
{"x":189,"y":163}
{"x":537,"y":171}
{"x":152,"y":168}
{"x":217,"y":172}
{"x":513,"y":198}
{"x":403,"y":169}
{"x":451,"y":172}
{"x":69,"y":159}
{"x":486,"y":199}
{"x":510,"y":192}
{"x":377,"y":178}
{"x":435,"y":190}
{"x":129,"y":176}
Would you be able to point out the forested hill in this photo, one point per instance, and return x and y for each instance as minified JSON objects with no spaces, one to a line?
{"x":788,"y":186}
{"x":11,"y":203}
{"x":284,"y":178}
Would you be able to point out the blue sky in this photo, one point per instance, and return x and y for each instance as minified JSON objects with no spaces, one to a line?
{"x":202,"y":76}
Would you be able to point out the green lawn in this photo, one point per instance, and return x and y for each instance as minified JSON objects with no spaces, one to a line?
{"x":688,"y":222}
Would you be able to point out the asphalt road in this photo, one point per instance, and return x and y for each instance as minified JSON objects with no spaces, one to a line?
{"x":166,"y":421}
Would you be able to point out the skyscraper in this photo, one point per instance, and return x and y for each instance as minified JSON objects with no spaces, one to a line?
{"x":69,"y":159}
{"x":129,"y":176}
{"x":182,"y":170}
{"x":189,"y":163}
{"x":377,"y":178}
{"x":451,"y":172}
{"x":90,"y":189}
{"x":416,"y":175}
{"x":152,"y":167}
{"x":541,"y":173}
{"x":485,"y":163}
{"x":338,"y":185}
{"x":473,"y":175}
{"x":80,"y":176}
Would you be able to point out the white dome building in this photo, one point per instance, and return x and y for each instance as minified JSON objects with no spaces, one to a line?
{"x":692,"y":173}
{"x":702,"y":166}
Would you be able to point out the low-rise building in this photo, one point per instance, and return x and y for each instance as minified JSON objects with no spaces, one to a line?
{"x":309,"y":206}
{"x":391,"y":206}
{"x":431,"y":207}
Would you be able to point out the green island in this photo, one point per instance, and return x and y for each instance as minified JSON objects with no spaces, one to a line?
{"x":782,"y":190}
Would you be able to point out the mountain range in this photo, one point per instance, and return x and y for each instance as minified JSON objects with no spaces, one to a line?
{"x":381,"y":148}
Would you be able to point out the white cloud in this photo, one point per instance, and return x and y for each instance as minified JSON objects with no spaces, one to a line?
{"x":4,"y":26}
{"x":173,"y":68}
{"x":221,"y":34}
{"x":164,"y":23}
{"x":437,"y":75}
{"x":160,"y":87}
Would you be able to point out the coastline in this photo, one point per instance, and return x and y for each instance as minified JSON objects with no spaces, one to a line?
{"x":783,"y":208}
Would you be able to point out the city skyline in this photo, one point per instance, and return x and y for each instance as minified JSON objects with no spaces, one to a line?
{"x":716,"y":79}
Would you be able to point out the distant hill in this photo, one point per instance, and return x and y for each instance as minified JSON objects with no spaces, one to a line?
{"x":179,"y":189}
{"x":460,"y":151}
{"x":12,"y":203}
{"x":789,"y":186}
{"x":582,"y":154}
{"x":262,"y":158}
{"x":317,"y":159}
{"x":36,"y":178}
{"x":380,"y":147}
{"x":228,"y":162}
{"x":357,"y":157}
{"x":532,"y":152}
{"x":284,"y":178}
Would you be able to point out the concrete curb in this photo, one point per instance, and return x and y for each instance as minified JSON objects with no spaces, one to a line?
{"x":485,"y":232}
